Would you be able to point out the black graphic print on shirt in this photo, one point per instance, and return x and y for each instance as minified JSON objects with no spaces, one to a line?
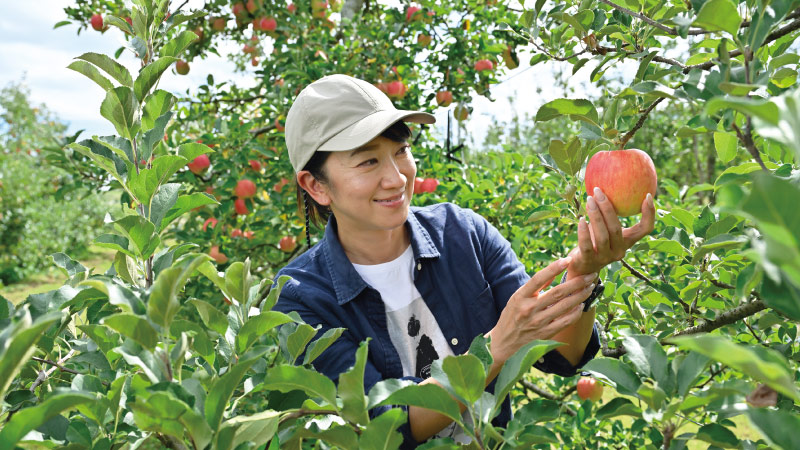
{"x":426,"y":353}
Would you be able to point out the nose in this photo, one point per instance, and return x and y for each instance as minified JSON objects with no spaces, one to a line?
{"x":392,"y":177}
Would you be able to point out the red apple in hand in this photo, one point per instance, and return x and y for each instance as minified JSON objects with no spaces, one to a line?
{"x":287,"y":244}
{"x":589,"y":388}
{"x":199,"y":165}
{"x":97,"y":22}
{"x":244,"y":189}
{"x":624,"y":176}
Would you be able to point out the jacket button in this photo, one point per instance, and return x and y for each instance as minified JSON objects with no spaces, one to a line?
{"x":541,"y":360}
{"x":454,"y":341}
{"x":419,"y":266}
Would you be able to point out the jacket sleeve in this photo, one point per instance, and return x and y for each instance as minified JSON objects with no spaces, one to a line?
{"x":340,"y":356}
{"x":505,"y":274}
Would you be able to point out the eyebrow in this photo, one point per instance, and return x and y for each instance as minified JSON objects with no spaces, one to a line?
{"x":364,"y":148}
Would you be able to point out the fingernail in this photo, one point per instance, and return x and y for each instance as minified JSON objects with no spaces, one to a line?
{"x":590,"y":287}
{"x":590,"y":277}
{"x":591,"y":203}
{"x":649,"y":198}
{"x":599,"y":195}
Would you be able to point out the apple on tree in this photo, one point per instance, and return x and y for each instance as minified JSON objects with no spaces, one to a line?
{"x":589,"y":388}
{"x":279,"y":185}
{"x":484,"y":64}
{"x":279,"y":124}
{"x":182,"y":67}
{"x":287,"y":243}
{"x":413,"y":14}
{"x":418,"y":185}
{"x":248,"y":234}
{"x":444,"y":98}
{"x":429,"y":185}
{"x":97,"y":22}
{"x":199,"y":164}
{"x":292,"y":8}
{"x":268,"y":24}
{"x":244,"y":189}
{"x":424,"y":40}
{"x":210,"y":221}
{"x":510,"y":58}
{"x":251,"y":6}
{"x":255,"y":165}
{"x":218,"y":24}
{"x":219,"y":257}
{"x":238,"y":9}
{"x":461,"y":112}
{"x":624,"y":176}
{"x":240,"y":207}
{"x":396,"y":89}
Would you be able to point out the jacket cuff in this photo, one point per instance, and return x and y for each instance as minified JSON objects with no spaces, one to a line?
{"x":554,"y":362}
{"x":409,"y":443}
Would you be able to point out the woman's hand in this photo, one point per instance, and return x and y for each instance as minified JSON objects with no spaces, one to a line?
{"x":532,"y":314}
{"x":604,"y":241}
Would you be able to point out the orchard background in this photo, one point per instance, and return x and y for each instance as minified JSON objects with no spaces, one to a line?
{"x":174,"y":343}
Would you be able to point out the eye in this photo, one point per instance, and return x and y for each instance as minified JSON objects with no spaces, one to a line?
{"x":368,"y":162}
{"x":404,"y":150}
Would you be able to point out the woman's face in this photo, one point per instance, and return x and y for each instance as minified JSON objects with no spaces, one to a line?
{"x":370,"y":188}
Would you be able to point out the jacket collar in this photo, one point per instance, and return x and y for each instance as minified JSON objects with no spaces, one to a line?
{"x":347,"y":283}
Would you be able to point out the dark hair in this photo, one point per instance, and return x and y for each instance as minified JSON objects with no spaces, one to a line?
{"x":307,"y":206}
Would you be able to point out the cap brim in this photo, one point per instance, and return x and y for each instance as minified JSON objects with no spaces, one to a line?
{"x":371,"y":126}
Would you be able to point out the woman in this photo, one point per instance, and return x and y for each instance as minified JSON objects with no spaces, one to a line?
{"x":423,"y":282}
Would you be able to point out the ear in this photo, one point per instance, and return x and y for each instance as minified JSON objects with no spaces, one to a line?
{"x":317,"y":190}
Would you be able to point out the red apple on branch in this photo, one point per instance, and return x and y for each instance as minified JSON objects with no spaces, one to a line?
{"x":484,"y":64}
{"x":396,"y":89}
{"x":236,"y":232}
{"x":624,"y":176}
{"x":219,"y":257}
{"x":412,"y":14}
{"x":182,"y":67}
{"x":429,"y":185}
{"x":268,"y":24}
{"x":424,"y":40}
{"x":287,"y":243}
{"x":444,"y":98}
{"x":210,"y":221}
{"x":418,"y":185}
{"x":589,"y":388}
{"x":245,"y":189}
{"x":199,"y":164}
{"x":218,"y":24}
{"x":97,"y":22}
{"x":240,"y":207}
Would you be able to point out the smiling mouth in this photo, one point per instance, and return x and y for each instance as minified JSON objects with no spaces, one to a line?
{"x":392,"y":199}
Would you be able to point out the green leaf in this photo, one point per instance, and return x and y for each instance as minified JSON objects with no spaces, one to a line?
{"x":31,"y":418}
{"x":286,"y":378}
{"x":568,"y":156}
{"x":134,"y":327}
{"x":164,"y":199}
{"x":222,"y":390}
{"x":736,"y":89}
{"x":619,"y":374}
{"x":319,"y":345}
{"x":257,"y":326}
{"x":543,"y":212}
{"x":785,"y":128}
{"x":177,"y":45}
{"x":784,"y":77}
{"x":184,"y":204}
{"x":163,"y":303}
{"x":153,"y":136}
{"x":119,"y":108}
{"x":69,"y":265}
{"x":480,"y":348}
{"x":777,"y":427}
{"x":429,"y":396}
{"x":691,"y":367}
{"x":351,"y":389}
{"x":717,"y":435}
{"x":762,"y":364}
{"x":772,"y":205}
{"x":618,"y":406}
{"x":149,"y":76}
{"x":719,"y":242}
{"x":381,"y":390}
{"x":649,"y":358}
{"x":580,"y":109}
{"x":117,"y":294}
{"x":518,"y":365}
{"x":466,"y":376}
{"x":381,"y":433}
{"x":765,"y":110}
{"x":114,"y":242}
{"x":257,"y":429}
{"x":719,"y":15}
{"x":297,"y":341}
{"x":726,"y":145}
{"x":163,"y":412}
{"x":210,"y":316}
{"x":538,"y":410}
{"x":92,"y":73}
{"x":156,"y":105}
{"x":18,"y":342}
{"x":138,"y":231}
{"x":111,"y":67}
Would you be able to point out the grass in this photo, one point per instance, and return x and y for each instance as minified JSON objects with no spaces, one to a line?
{"x":100,"y":259}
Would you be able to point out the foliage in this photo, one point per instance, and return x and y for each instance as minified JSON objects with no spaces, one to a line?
{"x":35,"y":221}
{"x":698,"y":322}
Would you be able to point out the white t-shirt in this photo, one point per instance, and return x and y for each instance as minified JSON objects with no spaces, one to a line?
{"x":413,"y":330}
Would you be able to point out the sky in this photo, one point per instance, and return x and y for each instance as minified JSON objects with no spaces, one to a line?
{"x":33,"y":52}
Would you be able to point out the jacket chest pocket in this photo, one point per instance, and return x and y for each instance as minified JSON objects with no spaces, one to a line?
{"x":482,"y":310}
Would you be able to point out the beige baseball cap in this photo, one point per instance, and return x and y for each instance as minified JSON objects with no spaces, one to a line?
{"x":340,"y":113}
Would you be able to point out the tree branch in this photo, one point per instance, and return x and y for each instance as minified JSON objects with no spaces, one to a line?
{"x":642,"y":17}
{"x":747,"y":141}
{"x":546,"y":394}
{"x":639,"y":123}
{"x":649,"y":282}
{"x":726,"y":318}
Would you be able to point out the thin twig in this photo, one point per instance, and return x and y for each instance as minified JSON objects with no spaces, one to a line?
{"x":747,"y":141}
{"x":639,"y":123}
{"x":57,"y":365}
{"x":650,"y":283}
{"x":543,"y":393}
{"x":642,"y":17}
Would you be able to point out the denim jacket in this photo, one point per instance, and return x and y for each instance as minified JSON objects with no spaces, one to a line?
{"x":464,"y":269}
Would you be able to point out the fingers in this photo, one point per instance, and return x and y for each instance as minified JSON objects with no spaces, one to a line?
{"x":598,"y":224}
{"x":543,"y":278}
{"x":565,"y":305}
{"x":563,"y":290}
{"x":645,"y":226}
{"x":585,"y":237}
{"x":611,"y":220}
